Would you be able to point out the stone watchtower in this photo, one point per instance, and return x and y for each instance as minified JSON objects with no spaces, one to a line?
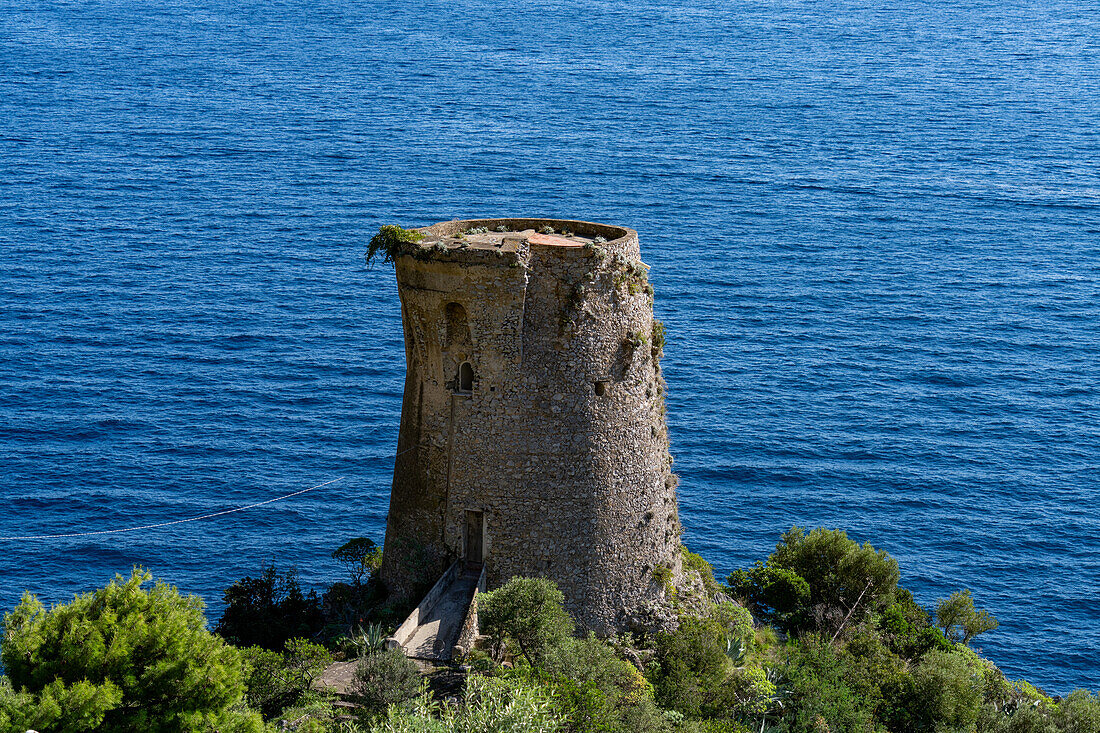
{"x":533,"y":436}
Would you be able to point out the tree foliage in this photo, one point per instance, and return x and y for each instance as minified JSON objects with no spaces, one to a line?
{"x":123,"y":658}
{"x":277,"y":681}
{"x":779,"y":595}
{"x":818,"y":581}
{"x":391,"y":240}
{"x":846,"y":580}
{"x":947,"y":693}
{"x":959,"y":620}
{"x":268,"y":610}
{"x":821,"y":697}
{"x":360,"y":556}
{"x":1079,"y":712}
{"x":382,"y":678}
{"x":907,"y":629}
{"x":130,"y":658}
{"x":595,"y":690}
{"x":80,"y":706}
{"x":529,"y":613}
{"x":690,"y":669}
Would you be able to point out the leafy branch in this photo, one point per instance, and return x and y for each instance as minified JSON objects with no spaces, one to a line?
{"x":391,"y":240}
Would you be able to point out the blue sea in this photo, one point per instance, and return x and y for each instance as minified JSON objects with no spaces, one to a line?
{"x":874,"y":233}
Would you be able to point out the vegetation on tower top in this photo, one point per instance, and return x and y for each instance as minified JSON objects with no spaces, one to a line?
{"x":391,"y":241}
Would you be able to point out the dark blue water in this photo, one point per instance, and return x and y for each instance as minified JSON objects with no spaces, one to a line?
{"x":874,"y":231}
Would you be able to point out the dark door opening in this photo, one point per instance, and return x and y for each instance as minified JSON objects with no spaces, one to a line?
{"x":475,"y":538}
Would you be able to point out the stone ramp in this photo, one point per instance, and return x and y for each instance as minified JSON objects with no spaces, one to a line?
{"x":446,"y":615}
{"x":434,"y":638}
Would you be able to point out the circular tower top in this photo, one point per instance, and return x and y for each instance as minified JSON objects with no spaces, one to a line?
{"x":509,"y":235}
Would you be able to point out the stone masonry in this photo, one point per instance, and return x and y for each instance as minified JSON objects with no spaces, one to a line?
{"x":533,"y":435}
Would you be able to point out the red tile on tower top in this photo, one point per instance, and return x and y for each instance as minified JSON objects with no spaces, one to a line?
{"x":553,"y":240}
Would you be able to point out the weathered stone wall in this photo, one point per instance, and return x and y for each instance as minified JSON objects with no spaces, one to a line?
{"x":561,"y":443}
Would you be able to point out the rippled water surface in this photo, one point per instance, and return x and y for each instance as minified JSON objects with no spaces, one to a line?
{"x":874,"y":231}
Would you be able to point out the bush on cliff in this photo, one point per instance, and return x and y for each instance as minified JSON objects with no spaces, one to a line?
{"x":778,"y":595}
{"x":277,"y":681}
{"x":391,"y":241}
{"x":505,"y":705}
{"x":596,"y":690}
{"x":123,"y":658}
{"x":591,"y":687}
{"x":382,"y":678}
{"x":268,"y":610}
{"x":847,"y":582}
{"x":528,"y":613}
{"x":690,"y":670}
{"x":907,"y":628}
{"x":960,"y":621}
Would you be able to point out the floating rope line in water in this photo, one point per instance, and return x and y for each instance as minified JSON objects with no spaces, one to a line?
{"x":168,"y":524}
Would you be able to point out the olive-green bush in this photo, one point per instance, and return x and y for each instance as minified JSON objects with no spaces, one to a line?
{"x":277,"y":681}
{"x":489,"y":706}
{"x":268,"y":610}
{"x":382,"y":678}
{"x":528,"y":613}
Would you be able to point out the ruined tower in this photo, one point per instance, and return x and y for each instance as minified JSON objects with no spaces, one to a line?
{"x":533,"y":436}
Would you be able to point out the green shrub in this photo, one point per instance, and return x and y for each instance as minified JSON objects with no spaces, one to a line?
{"x":694,"y":562}
{"x":1079,"y":712}
{"x":878,"y":677}
{"x":907,"y":629}
{"x":278,"y":681}
{"x":595,"y":690}
{"x":691,"y":668}
{"x":268,"y":610}
{"x":490,"y":705}
{"x":123,"y":658}
{"x":779,"y":595}
{"x":752,"y":691}
{"x":480,"y":661}
{"x":846,"y":580}
{"x":1026,"y":719}
{"x":819,"y":693}
{"x":504,"y":706}
{"x":659,"y":332}
{"x":528,"y":613}
{"x":736,"y":620}
{"x":947,"y":693}
{"x":663,"y":576}
{"x":591,"y":660}
{"x":391,"y":241}
{"x":383,"y":678}
{"x":959,"y":620}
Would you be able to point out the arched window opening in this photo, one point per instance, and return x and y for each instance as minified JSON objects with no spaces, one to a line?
{"x":466,"y":378}
{"x":458,"y":330}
